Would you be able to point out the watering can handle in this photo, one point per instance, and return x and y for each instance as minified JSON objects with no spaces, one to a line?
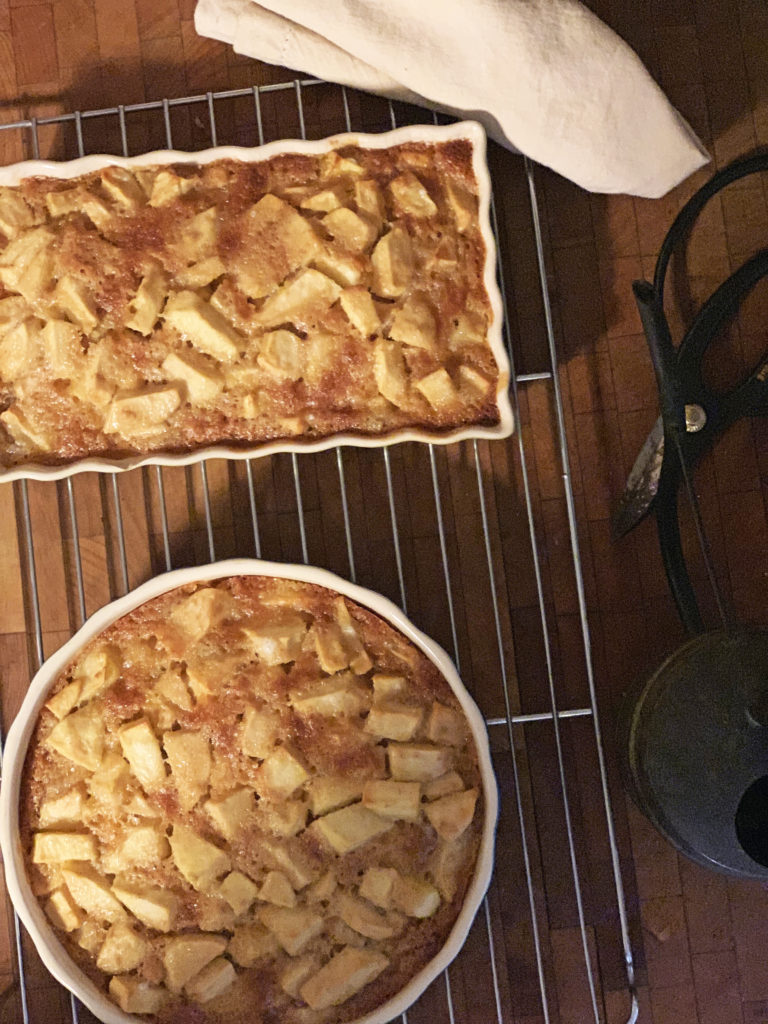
{"x":664,"y":360}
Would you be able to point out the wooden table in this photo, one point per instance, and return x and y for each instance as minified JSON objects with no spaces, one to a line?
{"x":698,"y":939}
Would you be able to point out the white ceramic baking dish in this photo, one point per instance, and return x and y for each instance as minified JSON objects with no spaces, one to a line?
{"x":51,"y":950}
{"x":470,"y":130}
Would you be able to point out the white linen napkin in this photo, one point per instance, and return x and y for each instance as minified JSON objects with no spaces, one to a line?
{"x":545,"y":77}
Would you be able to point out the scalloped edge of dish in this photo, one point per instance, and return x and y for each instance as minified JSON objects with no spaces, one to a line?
{"x":51,"y":950}
{"x":471,"y":130}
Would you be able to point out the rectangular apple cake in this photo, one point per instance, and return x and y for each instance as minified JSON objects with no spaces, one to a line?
{"x":242,"y":302}
{"x":253,"y":797}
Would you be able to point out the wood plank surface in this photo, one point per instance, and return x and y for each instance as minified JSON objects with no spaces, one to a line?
{"x":447,"y":533}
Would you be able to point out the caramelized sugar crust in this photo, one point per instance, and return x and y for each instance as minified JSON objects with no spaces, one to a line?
{"x":251,"y":800}
{"x":169,"y":308}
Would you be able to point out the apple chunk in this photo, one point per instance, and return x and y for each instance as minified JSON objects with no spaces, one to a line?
{"x":201,"y":324}
{"x":279,"y":641}
{"x":80,"y":737}
{"x":135,"y":996}
{"x":250,"y":943}
{"x":199,"y":612}
{"x":277,"y":890}
{"x":56,"y":847}
{"x":451,"y":782}
{"x":62,"y":911}
{"x":296,"y":868}
{"x":452,"y":814}
{"x":418,"y":762}
{"x":281,"y":773}
{"x":393,"y":799}
{"x":350,"y":827}
{"x":260,"y":730}
{"x":143,"y":846}
{"x":97,"y":671}
{"x":66,"y":809}
{"x":415,"y":897}
{"x":445,"y":725}
{"x":328,"y":792}
{"x":189,"y":755}
{"x":142,"y":752}
{"x":393,"y":263}
{"x":153,"y":906}
{"x":239,"y":891}
{"x":230,"y":813}
{"x":393,"y":721}
{"x":65,"y":699}
{"x":91,"y":893}
{"x":345,"y":974}
{"x":296,"y":973}
{"x":364,"y":919}
{"x":341,"y":694}
{"x":185,"y":956}
{"x":292,"y":927}
{"x":123,"y":950}
{"x":214,"y":979}
{"x":199,"y":861}
{"x":377,"y":885}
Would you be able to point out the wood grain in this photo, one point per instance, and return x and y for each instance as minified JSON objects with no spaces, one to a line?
{"x":698,"y":939}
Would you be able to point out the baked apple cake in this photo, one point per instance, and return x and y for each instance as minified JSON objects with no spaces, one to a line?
{"x":253,"y":797}
{"x":171,"y":307}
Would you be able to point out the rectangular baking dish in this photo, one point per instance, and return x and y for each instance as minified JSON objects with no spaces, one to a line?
{"x":13,"y":175}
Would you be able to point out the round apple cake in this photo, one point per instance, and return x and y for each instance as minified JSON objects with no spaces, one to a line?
{"x":251,"y":799}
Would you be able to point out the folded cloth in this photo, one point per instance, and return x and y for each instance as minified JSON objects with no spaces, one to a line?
{"x":545,"y":77}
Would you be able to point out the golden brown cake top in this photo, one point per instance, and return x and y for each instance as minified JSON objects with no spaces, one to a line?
{"x":256,"y":797}
{"x":172,"y":307}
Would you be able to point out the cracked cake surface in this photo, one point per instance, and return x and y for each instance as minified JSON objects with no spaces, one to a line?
{"x":251,"y":799}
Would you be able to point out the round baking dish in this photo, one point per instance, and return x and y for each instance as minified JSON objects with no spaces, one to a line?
{"x":51,"y":950}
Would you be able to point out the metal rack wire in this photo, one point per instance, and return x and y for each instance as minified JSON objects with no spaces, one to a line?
{"x":453,"y":998}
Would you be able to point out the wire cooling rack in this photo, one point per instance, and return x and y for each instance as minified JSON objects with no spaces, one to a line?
{"x":454,"y":535}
